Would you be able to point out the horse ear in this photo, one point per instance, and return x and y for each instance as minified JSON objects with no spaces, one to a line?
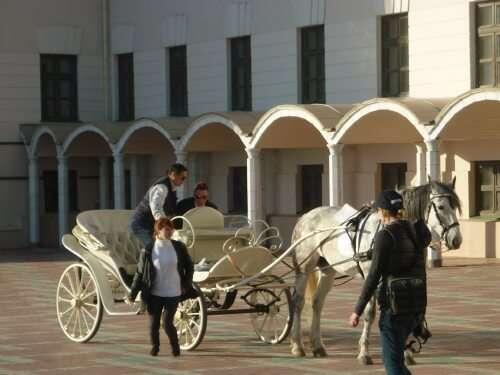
{"x":453,"y":182}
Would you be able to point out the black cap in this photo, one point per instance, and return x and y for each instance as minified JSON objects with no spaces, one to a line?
{"x":389,"y":200}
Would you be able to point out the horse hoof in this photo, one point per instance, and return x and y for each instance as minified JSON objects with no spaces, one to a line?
{"x":320,"y":352}
{"x":365,"y":360}
{"x":298,"y":352}
{"x":410,"y":361}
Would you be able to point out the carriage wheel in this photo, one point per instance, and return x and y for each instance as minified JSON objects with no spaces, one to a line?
{"x":79,"y":306}
{"x":191,"y":322}
{"x":272,"y":327}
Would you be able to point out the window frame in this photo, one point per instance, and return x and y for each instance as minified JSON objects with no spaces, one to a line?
{"x":493,"y":30}
{"x":400,"y":42}
{"x":318,"y":55}
{"x":177,"y":70}
{"x":55,"y":78}
{"x":241,"y":61}
{"x":495,"y":187}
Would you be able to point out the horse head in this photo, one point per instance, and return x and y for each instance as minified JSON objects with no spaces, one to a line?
{"x":441,"y":214}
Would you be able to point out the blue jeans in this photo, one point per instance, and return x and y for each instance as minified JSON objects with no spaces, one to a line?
{"x":394,"y":330}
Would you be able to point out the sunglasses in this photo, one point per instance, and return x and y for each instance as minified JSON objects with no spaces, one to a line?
{"x":201,"y":196}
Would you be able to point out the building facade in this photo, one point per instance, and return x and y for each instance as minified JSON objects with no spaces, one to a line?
{"x":280,"y":109}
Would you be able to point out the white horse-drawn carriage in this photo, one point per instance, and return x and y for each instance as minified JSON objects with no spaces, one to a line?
{"x":226,"y":250}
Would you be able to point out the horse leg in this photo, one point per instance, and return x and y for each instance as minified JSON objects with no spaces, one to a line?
{"x":326,"y":280}
{"x":364,"y":342}
{"x":297,"y":346}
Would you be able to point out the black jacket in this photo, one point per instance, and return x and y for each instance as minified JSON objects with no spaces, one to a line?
{"x":188,"y":203}
{"x":145,"y":274}
{"x":398,"y":251}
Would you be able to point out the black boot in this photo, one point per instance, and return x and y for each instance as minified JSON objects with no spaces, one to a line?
{"x":154,"y":351}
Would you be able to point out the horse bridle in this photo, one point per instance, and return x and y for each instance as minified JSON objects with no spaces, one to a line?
{"x":432,"y":205}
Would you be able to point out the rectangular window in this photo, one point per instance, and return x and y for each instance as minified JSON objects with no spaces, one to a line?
{"x":178,"y":81}
{"x":59,"y":88}
{"x":241,"y":74}
{"x":126,"y":110}
{"x":313,"y":64}
{"x":311,"y":185}
{"x":395,"y":72}
{"x":50,"y":190}
{"x":488,"y":187}
{"x":488,"y":44}
{"x":237,"y":182}
{"x":393,"y":175}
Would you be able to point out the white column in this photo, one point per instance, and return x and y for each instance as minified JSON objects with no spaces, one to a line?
{"x":254,"y":187}
{"x":434,"y":257}
{"x":335,"y":175}
{"x":432,"y":159}
{"x":420,"y":178}
{"x":118,"y":180}
{"x":63,"y":201}
{"x":103,"y":182}
{"x":34,"y":202}
{"x":181,"y":157}
{"x":134,"y":175}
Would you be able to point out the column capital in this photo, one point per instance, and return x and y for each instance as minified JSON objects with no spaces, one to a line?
{"x":335,"y":148}
{"x":61,"y":158}
{"x":252,"y":153}
{"x":118,"y":155}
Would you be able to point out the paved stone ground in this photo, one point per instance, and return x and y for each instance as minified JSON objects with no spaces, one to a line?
{"x":464,"y":315}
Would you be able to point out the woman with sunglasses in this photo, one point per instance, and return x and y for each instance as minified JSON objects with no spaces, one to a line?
{"x":199,"y":199}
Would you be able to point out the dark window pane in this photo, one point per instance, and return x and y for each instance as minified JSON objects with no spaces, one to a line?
{"x":178,"y":81}
{"x":485,"y":175}
{"x":395,"y":55}
{"x":237,"y":189}
{"x":485,"y":47}
{"x":485,"y":15}
{"x":497,"y":12}
{"x":486,"y":73}
{"x":311,"y":186}
{"x":58,"y":87}
{"x":486,"y":201}
{"x":313,"y":65}
{"x":393,"y":175}
{"x":241,"y":74}
{"x":126,"y":110}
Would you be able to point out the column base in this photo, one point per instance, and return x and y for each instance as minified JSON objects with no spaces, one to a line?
{"x":434,"y":263}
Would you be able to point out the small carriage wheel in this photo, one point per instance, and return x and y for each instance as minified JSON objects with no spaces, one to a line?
{"x":79,"y":306}
{"x":191,"y":321}
{"x":272,"y":326}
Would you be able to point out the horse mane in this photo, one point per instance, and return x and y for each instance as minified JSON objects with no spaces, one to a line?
{"x":416,"y":200}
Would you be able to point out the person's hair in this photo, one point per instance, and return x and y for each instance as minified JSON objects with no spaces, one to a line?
{"x":162,"y":223}
{"x":176,"y":169}
{"x":200,"y":186}
{"x":386,"y":214}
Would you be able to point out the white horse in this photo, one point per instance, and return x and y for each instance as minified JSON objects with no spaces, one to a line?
{"x":434,"y":202}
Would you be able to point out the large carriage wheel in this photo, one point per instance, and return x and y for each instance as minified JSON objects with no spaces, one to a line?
{"x":79,"y":306}
{"x":191,"y":321}
{"x":273,"y":326}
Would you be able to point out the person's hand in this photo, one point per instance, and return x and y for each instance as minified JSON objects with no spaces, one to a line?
{"x":354,"y":320}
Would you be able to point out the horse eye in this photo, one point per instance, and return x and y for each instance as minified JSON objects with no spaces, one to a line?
{"x":441,"y":207}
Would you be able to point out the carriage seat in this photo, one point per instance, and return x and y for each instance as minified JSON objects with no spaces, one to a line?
{"x":209,"y":231}
{"x":106,"y":234}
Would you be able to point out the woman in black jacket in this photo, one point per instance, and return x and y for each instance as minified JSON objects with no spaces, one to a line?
{"x":397,"y":253}
{"x":164,"y":276}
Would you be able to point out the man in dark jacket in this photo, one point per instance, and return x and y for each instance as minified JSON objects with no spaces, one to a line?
{"x":199,"y":199}
{"x":159,"y":201}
